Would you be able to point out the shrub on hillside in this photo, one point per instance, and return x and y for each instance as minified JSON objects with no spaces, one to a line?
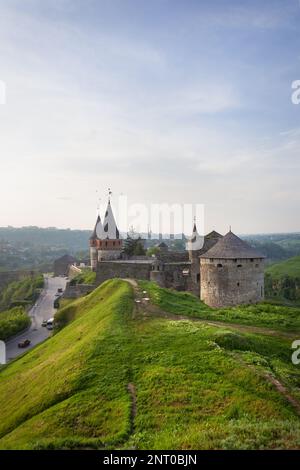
{"x":22,"y":292}
{"x":12,"y":322}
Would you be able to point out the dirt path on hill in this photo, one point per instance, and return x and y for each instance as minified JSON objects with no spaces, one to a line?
{"x":145,"y":308}
{"x":132,"y":393}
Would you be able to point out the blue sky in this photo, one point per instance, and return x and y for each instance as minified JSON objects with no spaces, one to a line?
{"x":165,"y":101}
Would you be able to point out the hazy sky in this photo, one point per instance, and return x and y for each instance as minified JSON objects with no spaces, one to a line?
{"x":178,"y":101}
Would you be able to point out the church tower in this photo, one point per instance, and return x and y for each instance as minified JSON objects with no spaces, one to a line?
{"x":110,"y":244}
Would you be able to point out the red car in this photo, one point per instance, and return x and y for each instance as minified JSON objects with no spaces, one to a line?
{"x":24,"y":343}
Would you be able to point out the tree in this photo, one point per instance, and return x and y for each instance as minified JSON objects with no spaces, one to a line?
{"x":134,"y":246}
{"x":153,"y":250}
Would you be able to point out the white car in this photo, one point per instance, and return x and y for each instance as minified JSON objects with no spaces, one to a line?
{"x":50,"y":324}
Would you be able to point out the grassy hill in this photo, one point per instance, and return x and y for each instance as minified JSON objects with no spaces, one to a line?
{"x":85,"y":277}
{"x":289,"y":267}
{"x":282,"y":280}
{"x":259,"y":315}
{"x":121,"y":376}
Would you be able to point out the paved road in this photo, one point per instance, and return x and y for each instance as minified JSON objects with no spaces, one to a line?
{"x":42,"y":310}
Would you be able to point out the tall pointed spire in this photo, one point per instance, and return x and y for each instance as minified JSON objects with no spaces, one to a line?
{"x":110,"y":229}
{"x":195,"y":232}
{"x":195,"y":242}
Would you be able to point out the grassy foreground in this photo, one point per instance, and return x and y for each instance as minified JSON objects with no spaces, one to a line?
{"x":117,"y":377}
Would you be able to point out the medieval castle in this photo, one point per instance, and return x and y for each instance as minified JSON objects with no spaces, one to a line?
{"x":224,"y":270}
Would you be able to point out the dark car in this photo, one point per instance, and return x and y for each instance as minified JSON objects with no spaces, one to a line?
{"x":56,"y":302}
{"x":24,"y":343}
{"x":59,"y":290}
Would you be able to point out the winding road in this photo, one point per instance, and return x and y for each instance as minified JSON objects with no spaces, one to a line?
{"x":42,"y":310}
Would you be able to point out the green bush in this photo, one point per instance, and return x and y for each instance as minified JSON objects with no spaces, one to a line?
{"x":12,"y":322}
{"x":85,"y":277}
{"x":23,"y":292}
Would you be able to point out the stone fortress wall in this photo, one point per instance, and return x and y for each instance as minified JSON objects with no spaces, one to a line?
{"x":226,"y":282}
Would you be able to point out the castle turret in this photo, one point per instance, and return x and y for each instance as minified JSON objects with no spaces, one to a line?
{"x":110,"y":245}
{"x":94,"y":240}
{"x":196,"y":246}
{"x":195,"y":243}
{"x":232,"y":273}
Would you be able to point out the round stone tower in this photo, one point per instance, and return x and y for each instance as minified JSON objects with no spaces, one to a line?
{"x":231,"y":273}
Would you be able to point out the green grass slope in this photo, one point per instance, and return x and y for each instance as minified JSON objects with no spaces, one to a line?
{"x":263,"y":314}
{"x":282,"y":281}
{"x":65,"y":392}
{"x":117,"y":377}
{"x":289,"y":267}
{"x":85,"y":277}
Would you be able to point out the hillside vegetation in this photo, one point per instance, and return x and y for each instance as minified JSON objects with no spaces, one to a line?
{"x":289,"y":267}
{"x":263,"y":314}
{"x":85,"y":277}
{"x":12,"y":322}
{"x":117,"y":376}
{"x":282,"y":280}
{"x":15,"y":299}
{"x":23,"y":292}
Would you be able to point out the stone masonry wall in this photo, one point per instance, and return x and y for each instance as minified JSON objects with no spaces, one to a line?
{"x":229,"y":282}
{"x":109,"y":269}
{"x":73,"y":292}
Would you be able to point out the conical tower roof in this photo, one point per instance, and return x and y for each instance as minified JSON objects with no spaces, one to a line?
{"x":110,"y":229}
{"x":97,"y":232}
{"x":195,"y":242}
{"x":231,"y":247}
{"x":213,"y":234}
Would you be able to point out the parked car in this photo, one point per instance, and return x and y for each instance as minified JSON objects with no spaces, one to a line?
{"x":59,"y":290}
{"x":24,"y":343}
{"x":56,"y":302}
{"x":44,"y":323}
{"x":50,"y":323}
